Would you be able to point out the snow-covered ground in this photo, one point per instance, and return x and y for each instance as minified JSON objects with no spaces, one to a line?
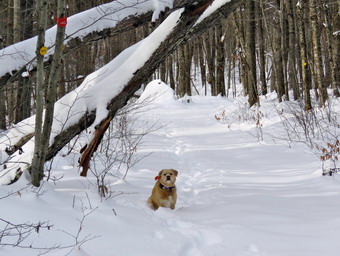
{"x":236,"y":196}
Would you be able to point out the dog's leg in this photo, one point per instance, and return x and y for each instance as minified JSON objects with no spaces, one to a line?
{"x":152,"y":204}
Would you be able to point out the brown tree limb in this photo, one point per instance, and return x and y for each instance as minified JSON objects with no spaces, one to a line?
{"x":84,"y":160}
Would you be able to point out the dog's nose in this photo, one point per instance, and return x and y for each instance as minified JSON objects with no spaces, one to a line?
{"x":168,"y":178}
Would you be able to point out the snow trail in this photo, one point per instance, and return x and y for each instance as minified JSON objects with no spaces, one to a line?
{"x":236,"y":196}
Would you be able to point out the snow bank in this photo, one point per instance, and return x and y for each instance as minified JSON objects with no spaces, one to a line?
{"x":158,"y":92}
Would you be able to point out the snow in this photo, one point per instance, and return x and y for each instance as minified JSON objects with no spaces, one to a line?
{"x":79,"y":25}
{"x":236,"y":196}
{"x":160,"y":6}
{"x":211,"y":9}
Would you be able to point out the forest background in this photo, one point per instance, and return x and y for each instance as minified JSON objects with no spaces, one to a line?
{"x":281,"y":46}
{"x":267,"y":45}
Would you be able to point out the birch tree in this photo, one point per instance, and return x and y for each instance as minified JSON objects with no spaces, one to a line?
{"x":304,"y":63}
{"x":316,"y":36}
{"x":43,"y":130}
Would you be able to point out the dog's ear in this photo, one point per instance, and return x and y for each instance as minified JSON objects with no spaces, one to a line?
{"x":175,"y":172}
{"x":160,"y":173}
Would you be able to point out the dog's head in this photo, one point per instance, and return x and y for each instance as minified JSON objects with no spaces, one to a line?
{"x":168,"y":176}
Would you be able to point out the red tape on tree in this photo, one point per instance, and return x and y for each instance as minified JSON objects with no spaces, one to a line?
{"x":62,"y":22}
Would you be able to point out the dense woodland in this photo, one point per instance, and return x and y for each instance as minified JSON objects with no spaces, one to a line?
{"x":286,"y":46}
{"x":290,"y":47}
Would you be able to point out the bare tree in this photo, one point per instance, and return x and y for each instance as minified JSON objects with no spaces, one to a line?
{"x":250,"y":47}
{"x":304,"y":64}
{"x":316,"y":36}
{"x":44,"y":133}
{"x":220,"y":60}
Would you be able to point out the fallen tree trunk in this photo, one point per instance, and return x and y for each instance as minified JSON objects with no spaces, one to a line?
{"x":185,"y":29}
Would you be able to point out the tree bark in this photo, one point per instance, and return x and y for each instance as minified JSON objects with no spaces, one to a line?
{"x":202,"y":64}
{"x":209,"y":52}
{"x":38,"y":158}
{"x":184,"y":65}
{"x":38,"y":161}
{"x":333,"y":44}
{"x":303,"y":56}
{"x":336,"y":52}
{"x":220,"y":61}
{"x":250,"y":44}
{"x":3,"y":125}
{"x":318,"y":77}
{"x":261,"y":45}
{"x":278,"y":60}
{"x":292,"y":56}
{"x":238,"y":20}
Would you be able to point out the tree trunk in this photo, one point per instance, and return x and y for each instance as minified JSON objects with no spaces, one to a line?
{"x":17,"y":22}
{"x":171,"y":72}
{"x":184,"y":65}
{"x":37,"y":170}
{"x":3,"y":43}
{"x":336,"y":52}
{"x":3,"y":125}
{"x":261,"y":45}
{"x":318,"y":68}
{"x":250,"y":44}
{"x":209,"y":51}
{"x":220,"y":61}
{"x":292,"y":73}
{"x":303,"y":55}
{"x":202,"y":62}
{"x":238,"y":20}
{"x":284,"y":44}
{"x":278,"y":60}
{"x":23,"y":108}
{"x":333,"y":43}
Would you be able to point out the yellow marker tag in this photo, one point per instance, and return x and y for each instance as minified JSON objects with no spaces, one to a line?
{"x":43,"y":50}
{"x":305,"y":64}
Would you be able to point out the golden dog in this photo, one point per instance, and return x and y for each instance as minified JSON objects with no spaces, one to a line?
{"x":164,"y":192}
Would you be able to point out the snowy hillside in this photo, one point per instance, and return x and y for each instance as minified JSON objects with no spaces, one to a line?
{"x":236,"y":196}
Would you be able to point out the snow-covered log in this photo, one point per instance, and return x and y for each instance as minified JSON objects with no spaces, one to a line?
{"x":108,"y":89}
